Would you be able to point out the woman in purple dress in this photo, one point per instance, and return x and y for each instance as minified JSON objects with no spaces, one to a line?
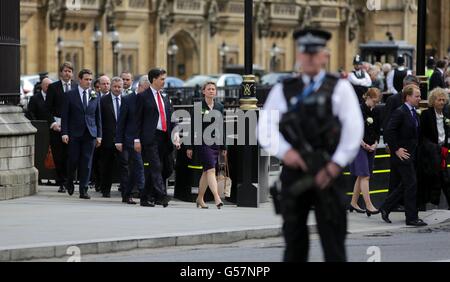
{"x":362,"y":166}
{"x":209,"y":151}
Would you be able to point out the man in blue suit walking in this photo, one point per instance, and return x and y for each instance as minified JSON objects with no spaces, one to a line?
{"x":81,"y":128}
{"x":125,"y":134}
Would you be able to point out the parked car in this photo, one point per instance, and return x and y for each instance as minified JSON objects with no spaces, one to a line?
{"x":199,"y":80}
{"x":221,"y":80}
{"x":275,"y":77}
{"x":171,"y":81}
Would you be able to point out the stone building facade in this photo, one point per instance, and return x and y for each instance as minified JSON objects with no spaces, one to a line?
{"x":149,"y":29}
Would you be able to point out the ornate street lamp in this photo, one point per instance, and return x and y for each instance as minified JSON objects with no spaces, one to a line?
{"x":274,"y":51}
{"x":172,"y":53}
{"x":116,"y":46}
{"x":59,"y":48}
{"x":223,"y":54}
{"x":96,"y":37}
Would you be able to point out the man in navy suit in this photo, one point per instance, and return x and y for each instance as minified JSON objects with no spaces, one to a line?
{"x":109,"y":155}
{"x":402,"y":135}
{"x":81,"y":128}
{"x":55,"y":101}
{"x":125,"y":134}
{"x":153,"y":138}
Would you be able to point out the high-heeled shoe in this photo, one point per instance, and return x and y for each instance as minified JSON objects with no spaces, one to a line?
{"x":352,"y":208}
{"x":219,"y":205}
{"x":369,"y":213}
{"x":201,"y":206}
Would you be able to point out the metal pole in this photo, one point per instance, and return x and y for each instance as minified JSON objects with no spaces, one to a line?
{"x":224,"y":62}
{"x":96,"y":43}
{"x":247,"y":193}
{"x":421,"y":49}
{"x":421,"y":36}
{"x":248,"y":31}
{"x":114,"y":58}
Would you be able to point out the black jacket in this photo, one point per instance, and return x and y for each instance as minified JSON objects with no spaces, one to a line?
{"x":109,"y":122}
{"x":401,"y":132}
{"x":371,"y":130}
{"x":147,"y":116}
{"x":55,"y":99}
{"x":437,"y":80}
{"x":37,"y":108}
{"x":392,"y":103}
{"x":428,"y":125}
{"x":205,"y":110}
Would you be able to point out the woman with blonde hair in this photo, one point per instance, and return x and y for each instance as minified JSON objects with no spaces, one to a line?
{"x":434,"y":134}
{"x":207,"y":153}
{"x":362,"y":166}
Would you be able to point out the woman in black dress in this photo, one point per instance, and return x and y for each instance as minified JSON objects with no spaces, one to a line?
{"x":362,"y":166}
{"x":434,"y":146}
{"x":209,"y":151}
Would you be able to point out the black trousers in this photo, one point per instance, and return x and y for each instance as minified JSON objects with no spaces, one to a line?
{"x":108,"y":158}
{"x":96,"y":168}
{"x":404,"y":173}
{"x":331,"y":218}
{"x":155,"y":158}
{"x":60,"y":156}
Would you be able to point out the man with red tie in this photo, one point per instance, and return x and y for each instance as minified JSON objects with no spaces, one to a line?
{"x":153,"y":138}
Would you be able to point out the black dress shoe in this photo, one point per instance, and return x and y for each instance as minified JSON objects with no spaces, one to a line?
{"x":85,"y":196}
{"x":62,"y":189}
{"x":147,"y":204}
{"x":417,"y":222}
{"x":70,"y":189}
{"x":385,"y":215}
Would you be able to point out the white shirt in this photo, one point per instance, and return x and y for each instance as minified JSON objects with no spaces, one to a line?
{"x":155,"y":93}
{"x":440,"y":127}
{"x":390,"y":79}
{"x":69,"y":86}
{"x":80,"y":91}
{"x":116,"y":110}
{"x":345,"y":107}
{"x":44,"y":95}
{"x":366,"y":81}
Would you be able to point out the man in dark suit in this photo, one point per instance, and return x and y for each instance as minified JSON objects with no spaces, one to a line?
{"x":54,"y":101}
{"x":153,"y":114}
{"x":393,"y":103}
{"x":109,"y":155}
{"x":81,"y":127}
{"x":125,"y":134}
{"x":437,"y":79}
{"x":402,"y":135}
{"x":37,"y":108}
{"x":104,"y":88}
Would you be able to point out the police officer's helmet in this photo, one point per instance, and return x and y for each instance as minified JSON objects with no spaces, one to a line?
{"x":357,"y":60}
{"x":311,"y":40}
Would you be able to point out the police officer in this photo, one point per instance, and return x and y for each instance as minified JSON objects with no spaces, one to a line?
{"x":318,"y":98}
{"x":396,"y":76}
{"x":359,"y":78}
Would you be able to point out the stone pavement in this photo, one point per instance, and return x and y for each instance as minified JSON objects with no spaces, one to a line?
{"x":47,"y":224}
